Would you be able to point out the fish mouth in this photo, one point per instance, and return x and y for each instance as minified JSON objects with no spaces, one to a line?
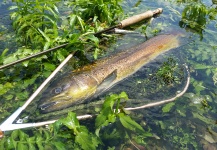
{"x":45,"y":106}
{"x":54,"y":104}
{"x":51,"y":106}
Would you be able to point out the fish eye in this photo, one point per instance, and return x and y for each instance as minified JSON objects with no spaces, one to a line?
{"x":58,"y":90}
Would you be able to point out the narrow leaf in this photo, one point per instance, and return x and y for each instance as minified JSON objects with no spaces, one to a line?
{"x":130,"y":124}
{"x":80,"y":22}
{"x":59,"y":145}
{"x":167,"y":107}
{"x":72,"y":20}
{"x":44,"y":35}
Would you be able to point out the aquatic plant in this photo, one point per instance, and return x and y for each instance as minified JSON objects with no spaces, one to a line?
{"x":106,"y":11}
{"x":69,"y":130}
{"x":169,"y":73}
{"x":37,"y":25}
{"x":32,"y":20}
{"x":181,"y":123}
{"x":196,"y":16}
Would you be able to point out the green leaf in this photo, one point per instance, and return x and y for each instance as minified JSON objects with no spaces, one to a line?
{"x":202,"y":66}
{"x":11,"y":143}
{"x":59,"y":145}
{"x":74,"y":38}
{"x":110,"y":100}
{"x":168,"y":107}
{"x":104,"y":118}
{"x":162,"y":125}
{"x":44,"y":35}
{"x":107,"y":114}
{"x":15,"y":134}
{"x":39,"y":142}
{"x":70,"y":121}
{"x":55,"y":8}
{"x":13,"y":7}
{"x":95,"y":55}
{"x":106,"y":111}
{"x":13,"y":16}
{"x":101,"y":119}
{"x":72,"y":20}
{"x":2,"y":143}
{"x":130,"y":124}
{"x":50,"y":18}
{"x":9,"y":59}
{"x":198,"y":85}
{"x":123,"y":95}
{"x":31,"y":142}
{"x":55,"y":14}
{"x":47,"y":45}
{"x":94,"y":39}
{"x":22,"y":135}
{"x":8,"y":97}
{"x":208,"y":72}
{"x":4,"y":88}
{"x":22,"y":146}
{"x":85,"y":141}
{"x":21,"y":28}
{"x":49,"y":66}
{"x":31,"y":145}
{"x":25,"y":63}
{"x":81,"y":22}
{"x":30,"y":81}
{"x":60,"y":56}
{"x":2,"y":56}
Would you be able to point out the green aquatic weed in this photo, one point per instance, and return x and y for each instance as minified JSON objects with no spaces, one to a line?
{"x":168,"y":107}
{"x":168,"y":73}
{"x":106,"y":11}
{"x":197,"y":15}
{"x":114,"y":125}
{"x":31,"y":17}
{"x":68,"y":133}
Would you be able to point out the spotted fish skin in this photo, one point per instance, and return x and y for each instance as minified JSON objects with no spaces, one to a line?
{"x":96,"y":78}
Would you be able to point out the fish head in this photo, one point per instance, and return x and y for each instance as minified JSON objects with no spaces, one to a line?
{"x":68,"y":91}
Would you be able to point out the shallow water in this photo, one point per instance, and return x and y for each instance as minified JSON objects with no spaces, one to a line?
{"x":191,"y":122}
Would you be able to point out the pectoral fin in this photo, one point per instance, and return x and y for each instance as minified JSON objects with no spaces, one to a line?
{"x":106,"y":82}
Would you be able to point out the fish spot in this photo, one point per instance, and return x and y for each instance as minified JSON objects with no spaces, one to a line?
{"x":160,"y":46}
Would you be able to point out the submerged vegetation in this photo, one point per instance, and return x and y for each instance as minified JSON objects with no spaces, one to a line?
{"x":188,"y":123}
{"x":111,"y":126}
{"x":40,"y":25}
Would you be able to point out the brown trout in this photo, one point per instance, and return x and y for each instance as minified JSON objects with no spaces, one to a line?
{"x":94,"y":79}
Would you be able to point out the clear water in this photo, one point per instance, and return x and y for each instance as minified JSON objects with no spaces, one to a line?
{"x":191,"y":123}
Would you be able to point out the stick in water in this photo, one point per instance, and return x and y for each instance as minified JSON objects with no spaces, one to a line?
{"x":122,"y":24}
{"x":32,"y":56}
{"x":132,"y":20}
